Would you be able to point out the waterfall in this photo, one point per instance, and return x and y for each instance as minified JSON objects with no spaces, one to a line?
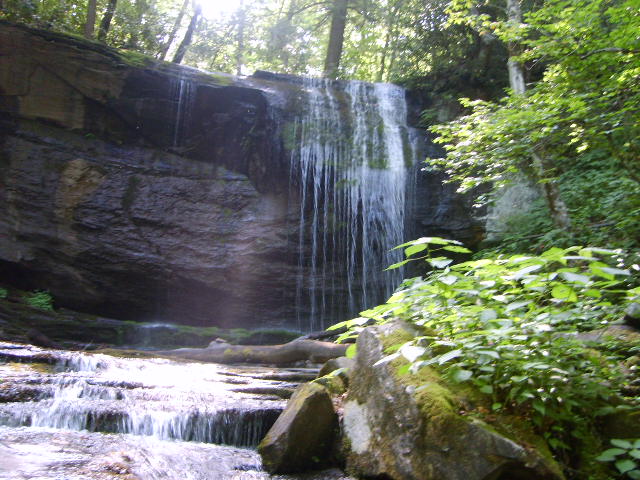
{"x":351,"y":153}
{"x":182,"y":92}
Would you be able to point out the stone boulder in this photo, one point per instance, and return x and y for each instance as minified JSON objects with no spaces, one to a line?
{"x":632,"y":315}
{"x":304,"y":434}
{"x":401,"y":427}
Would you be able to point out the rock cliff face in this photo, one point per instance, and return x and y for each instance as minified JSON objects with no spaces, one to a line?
{"x":146,"y":191}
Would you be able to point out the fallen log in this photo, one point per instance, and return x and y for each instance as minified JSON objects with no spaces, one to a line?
{"x":288,"y":353}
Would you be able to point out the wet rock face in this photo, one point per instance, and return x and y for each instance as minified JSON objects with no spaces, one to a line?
{"x":394,"y":430}
{"x":115,"y":213}
{"x":146,"y":191}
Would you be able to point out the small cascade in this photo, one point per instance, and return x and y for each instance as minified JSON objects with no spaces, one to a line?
{"x":78,"y":416}
{"x":151,"y":397}
{"x":352,"y":160}
{"x":182,"y":93}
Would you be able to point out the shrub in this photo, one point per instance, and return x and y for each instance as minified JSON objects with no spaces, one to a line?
{"x":509,"y":326}
{"x":40,"y":299}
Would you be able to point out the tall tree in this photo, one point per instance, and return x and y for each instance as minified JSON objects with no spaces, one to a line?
{"x":188,"y":36}
{"x":105,"y":24}
{"x":174,"y":30}
{"x":543,"y":168}
{"x":336,"y":38}
{"x":90,"y":24}
{"x":242,"y":16}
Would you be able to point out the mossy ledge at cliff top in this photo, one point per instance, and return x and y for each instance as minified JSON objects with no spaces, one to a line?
{"x":128,"y":58}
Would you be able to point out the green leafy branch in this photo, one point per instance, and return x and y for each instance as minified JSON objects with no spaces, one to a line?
{"x":510,"y":325}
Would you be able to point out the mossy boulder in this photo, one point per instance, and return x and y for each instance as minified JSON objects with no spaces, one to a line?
{"x":302,"y":437}
{"x":335,"y":384}
{"x":340,"y":363}
{"x":403,"y":428}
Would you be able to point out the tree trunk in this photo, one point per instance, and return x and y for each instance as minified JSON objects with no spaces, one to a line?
{"x":557,"y":207}
{"x":336,"y":38}
{"x":389,"y":41}
{"x":174,"y":30}
{"x":516,"y":72}
{"x":188,"y":37}
{"x":105,"y":24}
{"x":90,"y":24}
{"x":292,"y":352}
{"x":240,"y":38}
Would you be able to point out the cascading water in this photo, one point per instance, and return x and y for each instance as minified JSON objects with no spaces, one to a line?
{"x":352,"y":153}
{"x":89,"y":416}
{"x":182,"y":92}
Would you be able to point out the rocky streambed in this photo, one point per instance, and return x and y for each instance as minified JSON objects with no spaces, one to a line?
{"x":77,"y":415}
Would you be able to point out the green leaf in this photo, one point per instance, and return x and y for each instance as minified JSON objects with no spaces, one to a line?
{"x":489,"y":353}
{"x":615,"y":271}
{"x":618,"y":442}
{"x":439,"y":262}
{"x":625,"y":465}
{"x":610,"y":455}
{"x":575,"y":277}
{"x":516,"y":305}
{"x":634,"y":474}
{"x":456,"y":249}
{"x":563,"y":292}
{"x":539,"y":407}
{"x":351,"y":351}
{"x":525,"y":271}
{"x":397,"y":265}
{"x":635,"y":453}
{"x":387,"y":359}
{"x":488,"y":315}
{"x":413,"y":249}
{"x":488,"y":389}
{"x":411,"y":352}
{"x":448,"y":279}
{"x":449,"y":356}
{"x":461,"y":375}
{"x":593,"y":293}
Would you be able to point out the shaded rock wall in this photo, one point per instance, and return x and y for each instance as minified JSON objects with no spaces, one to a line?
{"x":123,"y":202}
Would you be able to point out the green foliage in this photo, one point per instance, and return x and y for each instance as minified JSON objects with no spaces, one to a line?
{"x":39,"y":299}
{"x":604,"y":208}
{"x":625,"y":455}
{"x":509,"y":326}
{"x":3,"y":292}
{"x":582,"y":118}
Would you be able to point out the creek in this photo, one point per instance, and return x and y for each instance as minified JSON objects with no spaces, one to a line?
{"x":75,"y":415}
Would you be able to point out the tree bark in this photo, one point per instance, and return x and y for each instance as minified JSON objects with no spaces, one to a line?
{"x":174,"y":30}
{"x":557,"y":207}
{"x":240,"y":38}
{"x":188,"y":37}
{"x":288,"y":353}
{"x":105,"y":24}
{"x":516,"y":71}
{"x":90,"y":24}
{"x":336,"y":38}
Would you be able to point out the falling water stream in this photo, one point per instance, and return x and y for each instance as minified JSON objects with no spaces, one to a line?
{"x":70,"y":415}
{"x":352,"y":158}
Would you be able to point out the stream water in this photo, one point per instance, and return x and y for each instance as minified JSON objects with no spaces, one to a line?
{"x":70,"y":415}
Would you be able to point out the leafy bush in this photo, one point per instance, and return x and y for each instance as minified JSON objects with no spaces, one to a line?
{"x":40,"y":299}
{"x":625,"y":455}
{"x":510,"y":325}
